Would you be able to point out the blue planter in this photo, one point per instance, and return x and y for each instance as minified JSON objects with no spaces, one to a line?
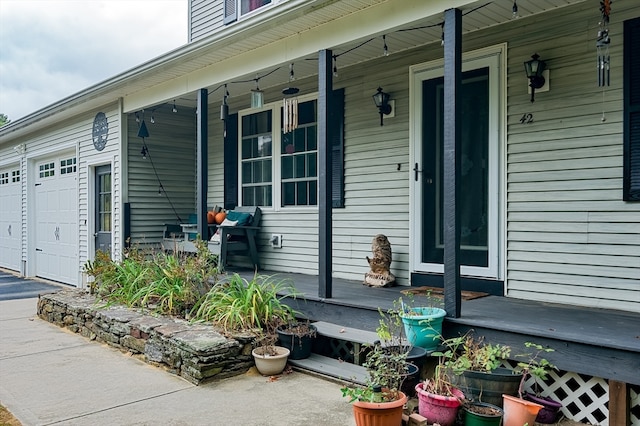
{"x":423,"y":326}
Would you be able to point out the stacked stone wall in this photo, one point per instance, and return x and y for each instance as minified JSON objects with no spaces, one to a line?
{"x":198,"y":352}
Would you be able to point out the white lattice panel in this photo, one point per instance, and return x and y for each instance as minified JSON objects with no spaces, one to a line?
{"x":634,"y":404}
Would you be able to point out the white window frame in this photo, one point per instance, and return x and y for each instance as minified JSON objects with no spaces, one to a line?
{"x":276,"y":157}
{"x":495,"y":58}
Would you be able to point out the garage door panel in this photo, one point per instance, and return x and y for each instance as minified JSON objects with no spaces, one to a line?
{"x":10,"y":217}
{"x":57,"y":220}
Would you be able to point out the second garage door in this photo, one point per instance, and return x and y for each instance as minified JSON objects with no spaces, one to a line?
{"x":10,"y":217}
{"x":56,"y":213}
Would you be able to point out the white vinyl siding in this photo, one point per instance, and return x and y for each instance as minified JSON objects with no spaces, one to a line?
{"x":89,"y":158}
{"x":571,"y":238}
{"x":205,"y":17}
{"x":172,"y":150}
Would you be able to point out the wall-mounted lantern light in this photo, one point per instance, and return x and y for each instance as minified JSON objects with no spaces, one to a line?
{"x":381,"y":100}
{"x":534,"y":69}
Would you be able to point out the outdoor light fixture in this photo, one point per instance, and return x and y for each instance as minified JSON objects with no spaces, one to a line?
{"x":381,"y":100}
{"x":534,"y":69}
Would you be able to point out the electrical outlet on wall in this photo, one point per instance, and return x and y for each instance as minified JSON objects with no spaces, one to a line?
{"x":276,"y":240}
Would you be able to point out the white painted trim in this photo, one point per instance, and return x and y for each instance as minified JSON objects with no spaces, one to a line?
{"x":494,"y":57}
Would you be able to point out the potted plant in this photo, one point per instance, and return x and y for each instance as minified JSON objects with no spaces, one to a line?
{"x":438,"y":398}
{"x":381,"y":400}
{"x":517,"y":410}
{"x":477,"y":369}
{"x":423,"y":324}
{"x":297,"y":336}
{"x":481,"y":414}
{"x":269,"y":358}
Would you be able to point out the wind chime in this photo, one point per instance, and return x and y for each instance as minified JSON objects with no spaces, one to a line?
{"x":290,"y":106}
{"x":602,"y":47}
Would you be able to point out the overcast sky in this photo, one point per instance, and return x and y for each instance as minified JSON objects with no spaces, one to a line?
{"x":50,"y":49}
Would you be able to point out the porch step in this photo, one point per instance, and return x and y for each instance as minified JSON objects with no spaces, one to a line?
{"x":357,"y":337}
{"x":332,"y":367}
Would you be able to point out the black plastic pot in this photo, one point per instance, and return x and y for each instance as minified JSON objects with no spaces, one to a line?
{"x":488,"y":387}
{"x":416,"y":356}
{"x":299,"y":346}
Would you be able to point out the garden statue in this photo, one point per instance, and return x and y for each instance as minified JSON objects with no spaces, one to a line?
{"x":380,"y":275}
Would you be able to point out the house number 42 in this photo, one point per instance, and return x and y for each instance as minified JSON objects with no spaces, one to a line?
{"x":526,"y":118}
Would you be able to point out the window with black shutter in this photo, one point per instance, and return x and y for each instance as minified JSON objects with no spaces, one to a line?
{"x":631,"y":177}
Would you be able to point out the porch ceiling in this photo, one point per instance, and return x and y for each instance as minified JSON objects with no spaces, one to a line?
{"x":476,"y":16}
{"x":167,"y":74}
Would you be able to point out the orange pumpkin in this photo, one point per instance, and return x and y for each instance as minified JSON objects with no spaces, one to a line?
{"x":211,"y":217}
{"x":220,"y":217}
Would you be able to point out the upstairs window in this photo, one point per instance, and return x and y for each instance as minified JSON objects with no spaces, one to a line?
{"x":235,"y":9}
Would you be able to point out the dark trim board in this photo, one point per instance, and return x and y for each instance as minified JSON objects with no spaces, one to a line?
{"x":598,"y":342}
{"x":493,"y":287}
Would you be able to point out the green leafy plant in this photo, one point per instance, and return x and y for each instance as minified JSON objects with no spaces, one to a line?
{"x":473,"y":353}
{"x":386,"y":362}
{"x":534,"y":365}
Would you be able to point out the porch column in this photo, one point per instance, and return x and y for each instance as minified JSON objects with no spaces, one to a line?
{"x":202,"y":132}
{"x":451,"y":166}
{"x":325,"y":85}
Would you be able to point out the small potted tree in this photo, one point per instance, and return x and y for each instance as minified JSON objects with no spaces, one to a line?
{"x":518,"y":410}
{"x":381,"y":400}
{"x":438,"y":398}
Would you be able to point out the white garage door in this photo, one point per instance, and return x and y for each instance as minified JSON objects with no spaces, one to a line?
{"x":56,"y":213}
{"x":10,"y":217}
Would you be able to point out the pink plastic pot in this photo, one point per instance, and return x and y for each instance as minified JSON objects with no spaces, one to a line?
{"x":437,"y":408}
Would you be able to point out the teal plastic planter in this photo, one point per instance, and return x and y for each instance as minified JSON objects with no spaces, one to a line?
{"x":423,"y":326}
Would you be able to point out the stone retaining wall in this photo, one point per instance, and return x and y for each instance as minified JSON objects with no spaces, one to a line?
{"x":197,"y":352}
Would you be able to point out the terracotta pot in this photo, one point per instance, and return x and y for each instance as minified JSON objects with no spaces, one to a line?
{"x":518,"y":412}
{"x":438,"y":408}
{"x":550,"y":410}
{"x":379,"y":413}
{"x":269,"y":365}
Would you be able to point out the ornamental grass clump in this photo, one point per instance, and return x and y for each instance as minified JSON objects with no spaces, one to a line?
{"x":239,"y":304}
{"x":163,"y":283}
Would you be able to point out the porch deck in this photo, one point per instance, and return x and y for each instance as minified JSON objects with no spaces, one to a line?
{"x":597,"y":342}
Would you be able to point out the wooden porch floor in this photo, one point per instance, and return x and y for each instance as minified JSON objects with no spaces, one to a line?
{"x":598,"y":342}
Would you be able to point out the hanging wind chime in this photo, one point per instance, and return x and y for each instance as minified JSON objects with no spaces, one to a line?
{"x":602,"y":47}
{"x":290,"y":106}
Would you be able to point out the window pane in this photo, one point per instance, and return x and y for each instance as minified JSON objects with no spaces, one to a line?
{"x":247,"y":6}
{"x":287,"y":167}
{"x":298,"y":140}
{"x":312,"y":165}
{"x":313,"y":193}
{"x":312,"y":136}
{"x":288,"y":194}
{"x":301,"y":188}
{"x":300,"y":166}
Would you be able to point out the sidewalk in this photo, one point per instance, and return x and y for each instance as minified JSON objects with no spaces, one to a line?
{"x":49,"y":376}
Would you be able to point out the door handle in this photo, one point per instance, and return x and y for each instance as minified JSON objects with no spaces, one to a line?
{"x":9,"y":230}
{"x":416,"y":170}
{"x":56,"y":233}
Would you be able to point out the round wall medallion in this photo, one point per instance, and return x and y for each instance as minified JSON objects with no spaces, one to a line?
{"x":100,"y":131}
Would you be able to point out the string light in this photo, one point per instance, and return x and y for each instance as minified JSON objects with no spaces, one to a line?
{"x":144,"y":152}
{"x":385,"y":49}
{"x":174,"y":109}
{"x":442,"y":36}
{"x":160,"y":190}
{"x":153,"y":120}
{"x":137,"y":118}
{"x":292,"y":75}
{"x":335,"y":66}
{"x":514,"y":9}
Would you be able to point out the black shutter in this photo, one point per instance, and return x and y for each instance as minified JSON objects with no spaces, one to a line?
{"x":631,"y":179}
{"x":230,"y":11}
{"x":231,"y":163}
{"x":336,"y":117}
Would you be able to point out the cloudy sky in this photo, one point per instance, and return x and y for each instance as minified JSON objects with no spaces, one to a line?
{"x":50,"y":49}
